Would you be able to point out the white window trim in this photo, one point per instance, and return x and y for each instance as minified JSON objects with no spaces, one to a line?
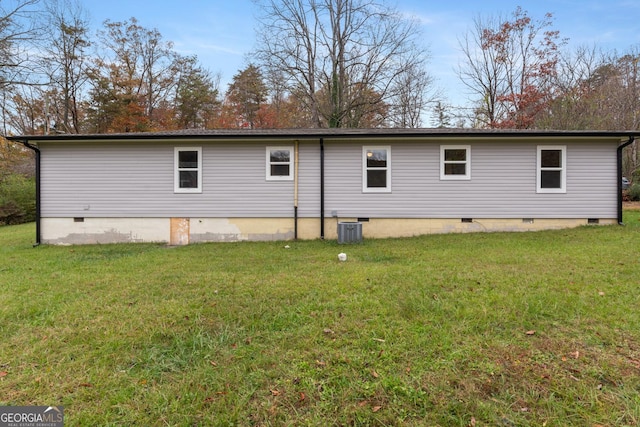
{"x":467,"y":175}
{"x":366,"y":189}
{"x":562,"y":169}
{"x":291,"y":164}
{"x":176,"y":170}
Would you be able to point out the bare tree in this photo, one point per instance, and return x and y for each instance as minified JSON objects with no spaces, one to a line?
{"x":509,"y":65}
{"x":411,"y":97}
{"x":596,"y":91}
{"x":483,"y":72}
{"x":575,"y":81}
{"x":26,"y":110}
{"x":65,"y":60}
{"x":141,"y":66}
{"x":334,"y":54}
{"x":19,"y":27}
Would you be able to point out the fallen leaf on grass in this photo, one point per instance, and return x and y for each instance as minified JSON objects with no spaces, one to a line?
{"x":320,"y":363}
{"x":530,"y":333}
{"x":4,"y":374}
{"x":328,"y":331}
{"x":213,"y":363}
{"x":375,"y":374}
{"x":302,"y":397}
{"x":473,"y":422}
{"x":274,"y":392}
{"x":376,"y":408}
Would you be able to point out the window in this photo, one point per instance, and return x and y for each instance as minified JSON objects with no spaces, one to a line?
{"x":376,"y":167}
{"x":188,"y":170}
{"x":552,"y":169}
{"x":279,"y":163}
{"x":455,"y":162}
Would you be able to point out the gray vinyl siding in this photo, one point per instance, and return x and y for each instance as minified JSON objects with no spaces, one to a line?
{"x":135,"y":179}
{"x":130,"y":179}
{"x":502,"y":185}
{"x":309,"y":180}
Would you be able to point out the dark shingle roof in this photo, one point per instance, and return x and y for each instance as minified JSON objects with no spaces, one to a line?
{"x":325,"y":133}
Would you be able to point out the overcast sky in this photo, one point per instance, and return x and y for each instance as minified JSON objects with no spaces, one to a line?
{"x":221,"y":32}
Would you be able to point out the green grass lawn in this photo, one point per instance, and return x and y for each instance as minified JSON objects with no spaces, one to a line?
{"x":501,"y":329}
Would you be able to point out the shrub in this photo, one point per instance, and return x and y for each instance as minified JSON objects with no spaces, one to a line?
{"x":17,"y":199}
{"x":634,"y":192}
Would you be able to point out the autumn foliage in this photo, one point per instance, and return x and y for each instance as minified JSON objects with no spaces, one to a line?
{"x":515,"y":71}
{"x":128,"y":78}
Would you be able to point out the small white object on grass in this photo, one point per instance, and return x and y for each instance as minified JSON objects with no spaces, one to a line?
{"x":342,"y":256}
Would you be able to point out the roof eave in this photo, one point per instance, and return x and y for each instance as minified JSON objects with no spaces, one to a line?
{"x":331,"y":133}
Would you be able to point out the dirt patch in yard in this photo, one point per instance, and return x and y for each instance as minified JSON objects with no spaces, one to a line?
{"x":634,"y":206}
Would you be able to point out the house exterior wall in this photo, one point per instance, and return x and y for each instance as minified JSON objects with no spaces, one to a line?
{"x":502,"y":184}
{"x":66,"y":231}
{"x":135,"y":180}
{"x":111,"y":191}
{"x":70,"y":231}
